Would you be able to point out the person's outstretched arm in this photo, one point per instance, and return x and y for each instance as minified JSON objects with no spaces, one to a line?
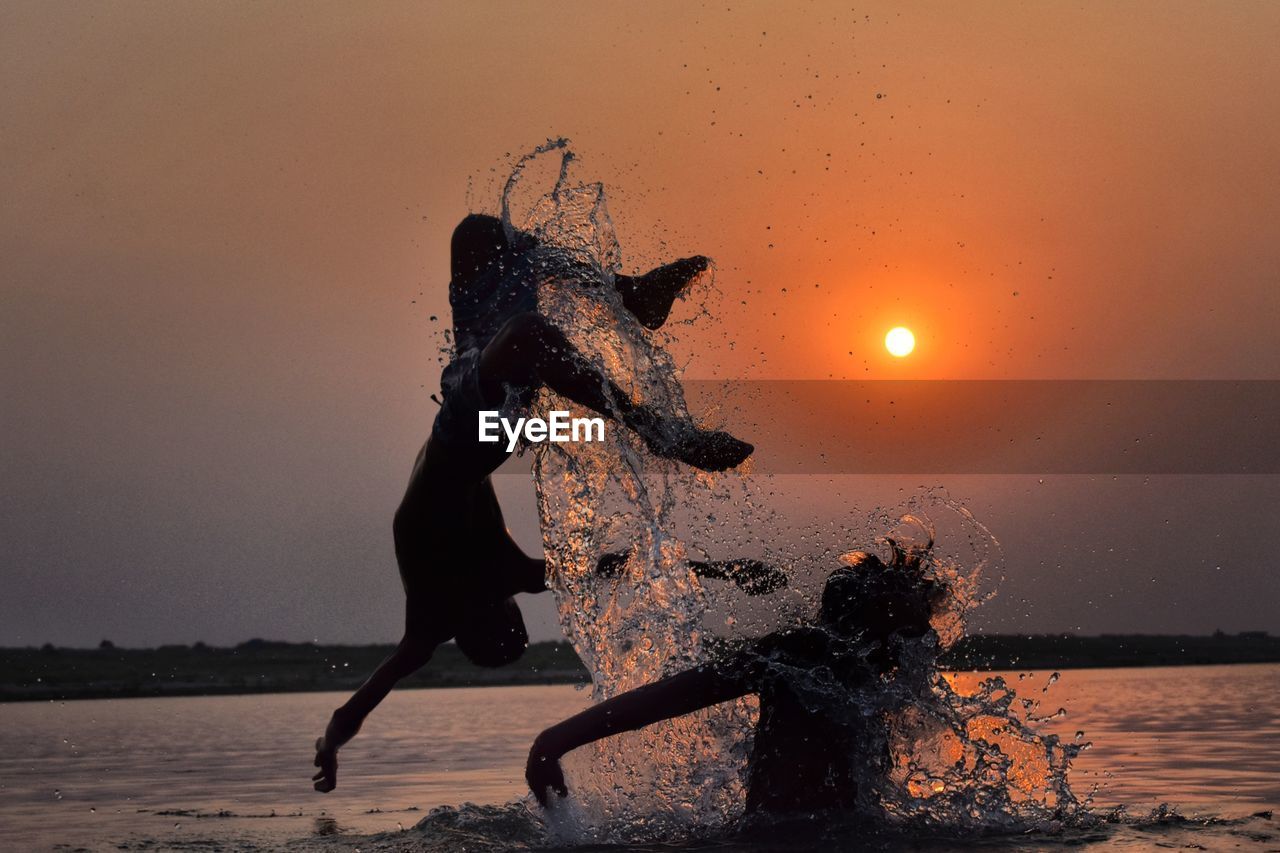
{"x":670,"y":697}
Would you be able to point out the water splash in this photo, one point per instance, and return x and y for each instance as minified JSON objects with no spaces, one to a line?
{"x":960,"y":758}
{"x":612,"y":497}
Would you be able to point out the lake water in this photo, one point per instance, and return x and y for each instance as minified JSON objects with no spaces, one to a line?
{"x":234,"y":772}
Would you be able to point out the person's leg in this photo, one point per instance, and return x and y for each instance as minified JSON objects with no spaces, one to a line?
{"x":412,"y":653}
{"x":754,"y":577}
{"x":650,"y":296}
{"x":520,"y":572}
{"x":530,"y":351}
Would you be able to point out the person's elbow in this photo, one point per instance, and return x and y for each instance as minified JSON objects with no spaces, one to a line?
{"x":546,"y":745}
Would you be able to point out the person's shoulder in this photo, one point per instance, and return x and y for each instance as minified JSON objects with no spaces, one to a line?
{"x":797,"y":646}
{"x":758,"y":660}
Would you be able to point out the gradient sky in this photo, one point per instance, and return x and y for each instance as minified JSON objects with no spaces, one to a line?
{"x":224,"y":232}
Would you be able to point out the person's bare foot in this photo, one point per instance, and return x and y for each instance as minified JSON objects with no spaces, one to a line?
{"x":670,"y":438}
{"x":327,"y":760}
{"x":710,"y":450}
{"x":653,"y":293}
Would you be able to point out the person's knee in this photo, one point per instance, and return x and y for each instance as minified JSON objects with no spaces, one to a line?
{"x":494,"y":636}
{"x":477,"y":242}
{"x":525,"y":332}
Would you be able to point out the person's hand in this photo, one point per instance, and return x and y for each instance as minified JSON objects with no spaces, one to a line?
{"x":327,"y":760}
{"x":543,"y":771}
{"x":696,"y":264}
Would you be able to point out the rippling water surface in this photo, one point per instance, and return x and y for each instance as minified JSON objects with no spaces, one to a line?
{"x":234,"y":771}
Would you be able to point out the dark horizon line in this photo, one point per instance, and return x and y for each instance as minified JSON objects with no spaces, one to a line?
{"x":261,"y":642}
{"x":261,"y":666}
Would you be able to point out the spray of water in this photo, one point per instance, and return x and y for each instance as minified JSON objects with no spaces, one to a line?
{"x":960,"y":757}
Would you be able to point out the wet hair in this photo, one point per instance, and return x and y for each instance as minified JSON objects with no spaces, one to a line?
{"x":867,"y":597}
{"x":494,"y":635}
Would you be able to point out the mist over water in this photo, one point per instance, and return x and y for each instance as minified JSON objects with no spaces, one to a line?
{"x":971,"y":759}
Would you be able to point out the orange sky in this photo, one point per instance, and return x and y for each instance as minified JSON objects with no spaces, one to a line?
{"x":224,"y":226}
{"x":1113,"y":165}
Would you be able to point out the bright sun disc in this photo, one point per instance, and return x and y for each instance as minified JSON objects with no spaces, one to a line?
{"x":900,"y":342}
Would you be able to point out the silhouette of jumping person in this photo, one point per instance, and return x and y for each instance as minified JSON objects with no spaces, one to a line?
{"x":458,"y":563}
{"x":813,"y":745}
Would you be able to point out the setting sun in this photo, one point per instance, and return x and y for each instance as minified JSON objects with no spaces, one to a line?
{"x":899,"y":341}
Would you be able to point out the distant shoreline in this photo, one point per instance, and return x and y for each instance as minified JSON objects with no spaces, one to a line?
{"x":258,"y":666}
